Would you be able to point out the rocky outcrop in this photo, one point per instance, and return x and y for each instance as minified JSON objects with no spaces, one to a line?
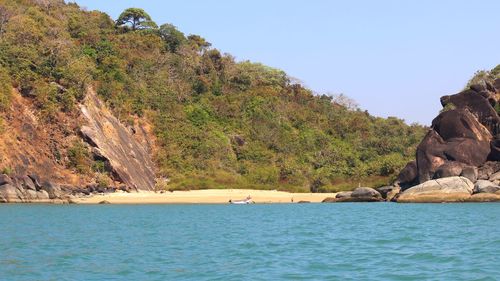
{"x":129,"y":160}
{"x":461,"y":139}
{"x":484,"y":186}
{"x":360,"y":194}
{"x":23,"y":190}
{"x":451,"y":189}
{"x":27,"y":189}
{"x":366,"y":194}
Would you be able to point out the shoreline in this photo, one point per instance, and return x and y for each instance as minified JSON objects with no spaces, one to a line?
{"x":205,"y":196}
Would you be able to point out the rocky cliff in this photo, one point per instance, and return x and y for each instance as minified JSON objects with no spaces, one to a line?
{"x":129,"y":161}
{"x":462,"y":138}
{"x":35,"y":158}
{"x":464,"y":141}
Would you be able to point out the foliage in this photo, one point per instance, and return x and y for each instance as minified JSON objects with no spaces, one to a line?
{"x":218,"y":123}
{"x":448,"y":107}
{"x":79,"y":157}
{"x":135,"y":18}
{"x":103,"y":180}
{"x":172,"y":37}
{"x":5,"y":89}
{"x":483,"y":76}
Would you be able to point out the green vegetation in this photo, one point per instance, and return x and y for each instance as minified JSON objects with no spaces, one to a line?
{"x":136,"y":19}
{"x":5,"y":89}
{"x":219,"y":123}
{"x":482,"y":76}
{"x":79,"y":157}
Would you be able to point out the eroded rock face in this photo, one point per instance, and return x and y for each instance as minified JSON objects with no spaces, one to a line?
{"x":452,"y":189}
{"x":461,"y":140}
{"x":129,"y":160}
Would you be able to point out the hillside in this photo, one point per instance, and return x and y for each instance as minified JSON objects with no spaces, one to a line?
{"x":206,"y":120}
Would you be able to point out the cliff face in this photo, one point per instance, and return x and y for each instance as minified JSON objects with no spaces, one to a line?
{"x":30,"y":145}
{"x":462,"y":138}
{"x":129,"y":160}
{"x":38,"y":148}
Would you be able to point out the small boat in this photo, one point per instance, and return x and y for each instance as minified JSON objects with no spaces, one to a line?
{"x":248,"y":200}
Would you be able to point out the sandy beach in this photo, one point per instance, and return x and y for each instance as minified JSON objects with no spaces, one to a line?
{"x":208,"y":196}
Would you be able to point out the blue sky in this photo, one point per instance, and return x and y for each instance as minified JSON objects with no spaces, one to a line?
{"x":395,"y":58}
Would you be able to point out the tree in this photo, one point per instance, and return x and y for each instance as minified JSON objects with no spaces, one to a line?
{"x":136,"y":18}
{"x":199,"y":42}
{"x":172,"y":37}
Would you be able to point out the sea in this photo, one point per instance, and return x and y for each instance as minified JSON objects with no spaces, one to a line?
{"x":344,"y":241}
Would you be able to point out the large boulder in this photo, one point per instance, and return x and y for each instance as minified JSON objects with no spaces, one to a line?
{"x":478,"y":103}
{"x":470,"y":172}
{"x":460,"y":124}
{"x":449,"y":169}
{"x":456,"y":136}
{"x":27,"y":183}
{"x":53,"y":190}
{"x":9,"y":194}
{"x":452,"y":189}
{"x":365,"y":194}
{"x":430,"y":155}
{"x":343,"y":194}
{"x":408,"y":177}
{"x":42,"y":195}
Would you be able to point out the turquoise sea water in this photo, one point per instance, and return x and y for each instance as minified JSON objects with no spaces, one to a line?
{"x":351,"y":241}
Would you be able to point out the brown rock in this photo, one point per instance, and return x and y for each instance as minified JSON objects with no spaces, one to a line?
{"x":53,"y":190}
{"x":343,"y":194}
{"x":477,"y":104}
{"x":489,"y":168}
{"x":42,"y":195}
{"x":384,"y":190}
{"x":365,"y":194}
{"x":329,"y":200}
{"x":470,"y":172}
{"x":9,"y":194}
{"x":449,"y":169}
{"x":452,"y":189}
{"x":408,"y":177}
{"x":128,"y":159}
{"x":391,"y":196}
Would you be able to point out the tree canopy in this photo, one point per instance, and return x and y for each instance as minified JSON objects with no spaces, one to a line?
{"x":172,"y":37}
{"x":136,"y":18}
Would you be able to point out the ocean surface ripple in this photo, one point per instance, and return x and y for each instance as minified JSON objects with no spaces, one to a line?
{"x":350,"y":241}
